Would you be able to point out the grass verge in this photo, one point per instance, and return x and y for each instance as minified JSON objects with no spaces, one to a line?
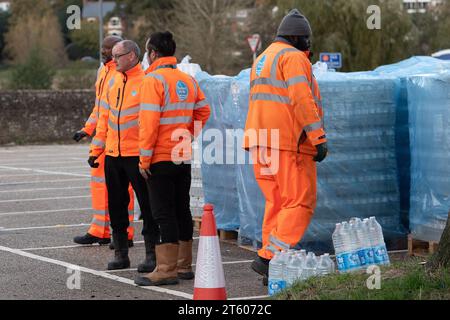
{"x":404,"y":280}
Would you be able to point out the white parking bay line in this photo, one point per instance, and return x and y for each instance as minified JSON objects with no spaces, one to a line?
{"x":250,"y":298}
{"x":42,"y":181}
{"x":224,"y":263}
{"x":44,"y":189}
{"x":94,"y":272}
{"x":42,"y":211}
{"x":47,"y":227}
{"x":68,"y":247}
{"x":58,"y":226}
{"x":46,"y":171}
{"x":42,"y":199}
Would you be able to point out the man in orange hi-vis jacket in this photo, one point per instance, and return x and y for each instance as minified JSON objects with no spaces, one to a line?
{"x":99,"y":229}
{"x":285,"y":135}
{"x":172,"y":105}
{"x":118,"y":137}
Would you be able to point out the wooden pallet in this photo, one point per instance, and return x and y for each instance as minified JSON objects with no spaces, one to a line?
{"x":197,"y":221}
{"x":421,"y":248}
{"x":224,"y":235}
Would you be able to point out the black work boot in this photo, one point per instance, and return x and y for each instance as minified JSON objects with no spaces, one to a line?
{"x":261,"y":266}
{"x":130,"y":244}
{"x":121,"y":260}
{"x":90,"y":239}
{"x":149,"y":263}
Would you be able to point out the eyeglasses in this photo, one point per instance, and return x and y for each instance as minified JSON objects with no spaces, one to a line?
{"x":117,"y":56}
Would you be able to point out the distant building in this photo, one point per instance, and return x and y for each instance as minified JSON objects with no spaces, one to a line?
{"x":420,"y":6}
{"x":4,"y":5}
{"x":114,"y":26}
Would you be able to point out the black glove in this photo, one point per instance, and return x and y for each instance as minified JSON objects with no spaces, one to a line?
{"x":92,"y":162}
{"x":322,"y":151}
{"x":79,"y":135}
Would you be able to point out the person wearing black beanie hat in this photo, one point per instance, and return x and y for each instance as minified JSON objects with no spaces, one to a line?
{"x":285,"y":135}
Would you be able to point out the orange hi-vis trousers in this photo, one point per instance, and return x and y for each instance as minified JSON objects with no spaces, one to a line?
{"x":289,"y":187}
{"x":100,"y":222}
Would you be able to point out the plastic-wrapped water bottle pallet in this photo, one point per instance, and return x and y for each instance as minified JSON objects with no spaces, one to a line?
{"x":421,"y":248}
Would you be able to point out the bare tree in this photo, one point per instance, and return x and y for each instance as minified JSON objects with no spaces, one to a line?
{"x":208,"y":32}
{"x":442,"y":257}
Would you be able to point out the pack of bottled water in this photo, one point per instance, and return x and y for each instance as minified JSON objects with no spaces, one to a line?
{"x":288,"y":266}
{"x":358,"y":244}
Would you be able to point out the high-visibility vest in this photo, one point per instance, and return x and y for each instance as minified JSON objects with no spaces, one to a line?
{"x":118,"y":130}
{"x":173,"y":110}
{"x":104,"y":75}
{"x":284,"y":113}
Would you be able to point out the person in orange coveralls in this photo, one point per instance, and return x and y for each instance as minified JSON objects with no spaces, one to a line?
{"x":285,"y":135}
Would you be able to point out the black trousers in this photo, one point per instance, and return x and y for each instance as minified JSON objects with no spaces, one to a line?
{"x":169,"y":186}
{"x":119,"y":172}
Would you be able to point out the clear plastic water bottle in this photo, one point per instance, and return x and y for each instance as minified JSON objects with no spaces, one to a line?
{"x":331,"y":265}
{"x":355,"y":236}
{"x":276,"y":281}
{"x":339,"y":247}
{"x":323,"y":266}
{"x":367,"y":243}
{"x":284,"y":257}
{"x":351,"y":258}
{"x":293,"y":269}
{"x":309,"y":266}
{"x":379,"y":246}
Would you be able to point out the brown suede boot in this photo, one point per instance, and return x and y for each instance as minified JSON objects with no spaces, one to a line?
{"x":184,"y":264}
{"x":165,"y":272}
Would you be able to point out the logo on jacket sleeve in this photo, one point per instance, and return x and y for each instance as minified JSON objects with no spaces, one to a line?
{"x":260,"y":66}
{"x":134,"y":93}
{"x":182,"y":90}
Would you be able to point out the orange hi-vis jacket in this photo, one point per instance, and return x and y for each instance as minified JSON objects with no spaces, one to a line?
{"x":284,"y":102}
{"x":104,"y":75}
{"x":172,"y":104}
{"x":118,"y":127}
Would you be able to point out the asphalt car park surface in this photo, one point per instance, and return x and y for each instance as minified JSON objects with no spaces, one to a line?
{"x":44,"y":203}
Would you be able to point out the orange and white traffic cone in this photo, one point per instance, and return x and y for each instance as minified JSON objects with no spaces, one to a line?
{"x":209,"y":277}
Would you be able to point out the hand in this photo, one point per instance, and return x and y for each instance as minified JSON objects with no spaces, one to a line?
{"x":92,"y":162}
{"x":79,"y":135}
{"x":322,"y":151}
{"x":145,"y":173}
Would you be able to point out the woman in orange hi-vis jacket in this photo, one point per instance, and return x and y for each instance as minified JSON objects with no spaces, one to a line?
{"x":285,"y":135}
{"x":173,"y":111}
{"x":118,"y":137}
{"x":99,"y":231}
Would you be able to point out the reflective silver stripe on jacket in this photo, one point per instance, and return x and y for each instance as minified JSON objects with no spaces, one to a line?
{"x":279,"y":243}
{"x":150,"y":107}
{"x":166,"y":87}
{"x":123,"y":126}
{"x":145,"y":153}
{"x":270,"y":97}
{"x":201,"y":104}
{"x":175,"y":120}
{"x":98,"y":143}
{"x":179,"y":106}
{"x":273,"y":70}
{"x":313,"y":126}
{"x":98,"y":179}
{"x":125,"y":112}
{"x":269,"y":81}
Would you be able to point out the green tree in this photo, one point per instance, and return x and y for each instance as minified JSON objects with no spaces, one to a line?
{"x":341,"y":26}
{"x":85,"y":40}
{"x":4,"y":16}
{"x":35,"y":73}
